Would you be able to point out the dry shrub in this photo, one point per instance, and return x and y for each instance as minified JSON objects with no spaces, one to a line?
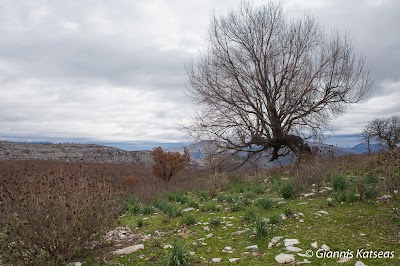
{"x":217,"y":182}
{"x":49,"y":219}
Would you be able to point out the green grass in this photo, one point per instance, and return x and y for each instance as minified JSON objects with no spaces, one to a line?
{"x":349,"y":224}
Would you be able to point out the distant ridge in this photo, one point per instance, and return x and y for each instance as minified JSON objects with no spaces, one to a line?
{"x":70,"y":152}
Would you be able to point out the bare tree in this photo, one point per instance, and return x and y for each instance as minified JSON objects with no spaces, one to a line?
{"x":265,"y":82}
{"x":386,"y":130}
{"x":368,"y":136}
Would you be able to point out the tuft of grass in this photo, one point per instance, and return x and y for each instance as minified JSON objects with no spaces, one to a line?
{"x":249,"y":215}
{"x":193,"y":204}
{"x":215,"y":222}
{"x":221,"y":197}
{"x":208,"y":207}
{"x":287,"y":190}
{"x":288,"y":212}
{"x":188,"y":219}
{"x":275,"y":219}
{"x":140,"y":223}
{"x":345,"y":196}
{"x":247,"y":202}
{"x":235,"y":207}
{"x":147,"y":209}
{"x":340,"y":183}
{"x":265,"y":203}
{"x":261,"y":228}
{"x":178,"y":255}
{"x":257,"y":189}
{"x":203,"y":195}
{"x":133,"y":206}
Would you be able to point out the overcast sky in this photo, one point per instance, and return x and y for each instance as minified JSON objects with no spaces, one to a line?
{"x":114,"y":70}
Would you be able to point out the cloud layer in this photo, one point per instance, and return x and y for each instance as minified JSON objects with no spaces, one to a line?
{"x":114,"y":71}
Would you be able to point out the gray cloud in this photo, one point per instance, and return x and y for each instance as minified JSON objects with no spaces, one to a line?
{"x":106,"y":70}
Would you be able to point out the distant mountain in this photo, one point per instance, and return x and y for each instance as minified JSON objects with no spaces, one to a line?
{"x":363,"y":148}
{"x":199,"y":150}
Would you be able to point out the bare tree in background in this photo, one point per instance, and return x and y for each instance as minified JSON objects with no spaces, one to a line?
{"x":264,"y":82}
{"x":368,"y":136}
{"x":386,"y":130}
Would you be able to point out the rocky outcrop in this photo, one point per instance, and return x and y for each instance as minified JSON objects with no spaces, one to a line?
{"x":71,"y":152}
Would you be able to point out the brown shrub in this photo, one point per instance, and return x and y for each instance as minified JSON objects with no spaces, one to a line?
{"x":50,"y":218}
{"x":168,"y":164}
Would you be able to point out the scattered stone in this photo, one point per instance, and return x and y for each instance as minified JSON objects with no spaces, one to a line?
{"x":283,"y":217}
{"x":302,"y":255}
{"x":314,"y":245}
{"x":323,"y":212}
{"x":120,"y":234}
{"x":206,"y":228}
{"x":343,"y":259}
{"x":325,"y":247}
{"x":359,"y":263}
{"x":128,"y":250}
{"x":168,"y":246}
{"x":276,"y":239}
{"x":293,"y":249}
{"x":285,"y":258}
{"x":253,"y":247}
{"x":385,"y":197}
{"x":362,"y":234}
{"x":227,"y":249}
{"x":306,"y":195}
{"x":209,"y":235}
{"x":291,"y":242}
{"x":305,"y":261}
{"x":238,"y":232}
{"x":216,"y":259}
{"x":234,"y":259}
{"x":188,"y":209}
{"x":77,"y":263}
{"x":192,"y":253}
{"x":229,"y":224}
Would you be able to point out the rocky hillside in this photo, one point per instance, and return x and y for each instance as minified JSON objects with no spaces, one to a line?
{"x":71,"y":152}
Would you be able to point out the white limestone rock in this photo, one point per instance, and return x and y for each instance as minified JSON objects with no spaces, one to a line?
{"x":291,"y":242}
{"x":128,"y":250}
{"x":285,"y":258}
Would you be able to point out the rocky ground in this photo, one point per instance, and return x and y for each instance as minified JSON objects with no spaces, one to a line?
{"x":222,"y":230}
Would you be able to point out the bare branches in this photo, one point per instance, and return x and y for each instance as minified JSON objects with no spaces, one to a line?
{"x":265,"y":80}
{"x":384,"y":130}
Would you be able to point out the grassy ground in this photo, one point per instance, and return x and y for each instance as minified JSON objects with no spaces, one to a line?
{"x":228,"y":220}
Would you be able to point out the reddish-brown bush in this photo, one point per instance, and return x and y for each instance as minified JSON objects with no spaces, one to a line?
{"x":167,"y":164}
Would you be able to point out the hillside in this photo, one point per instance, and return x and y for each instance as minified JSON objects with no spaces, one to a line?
{"x":70,"y":152}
